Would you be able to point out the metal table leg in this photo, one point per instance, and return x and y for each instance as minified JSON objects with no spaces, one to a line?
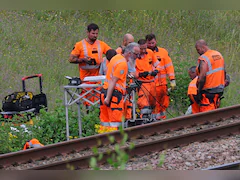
{"x":133,"y":105}
{"x":79,"y":119}
{"x":66,"y":111}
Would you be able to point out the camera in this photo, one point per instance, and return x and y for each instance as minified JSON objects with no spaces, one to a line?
{"x":92,"y":61}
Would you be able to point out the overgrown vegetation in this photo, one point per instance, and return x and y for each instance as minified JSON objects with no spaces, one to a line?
{"x":41,"y":41}
{"x":48,"y":127}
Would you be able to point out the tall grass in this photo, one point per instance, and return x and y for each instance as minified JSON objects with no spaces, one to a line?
{"x":41,"y":41}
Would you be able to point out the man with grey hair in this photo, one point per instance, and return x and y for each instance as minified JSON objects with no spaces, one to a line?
{"x":128,"y":38}
{"x":114,"y":87}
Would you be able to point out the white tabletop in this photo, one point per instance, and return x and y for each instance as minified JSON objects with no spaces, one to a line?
{"x":94,"y":78}
{"x":84,"y":85}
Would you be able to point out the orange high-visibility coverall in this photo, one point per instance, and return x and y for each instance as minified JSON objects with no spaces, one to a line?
{"x":192,"y":92}
{"x":127,"y":103}
{"x":166,"y":69}
{"x":111,"y":117}
{"x":215,"y":80}
{"x":147,"y":92}
{"x":83,"y":49}
{"x":32,"y":144}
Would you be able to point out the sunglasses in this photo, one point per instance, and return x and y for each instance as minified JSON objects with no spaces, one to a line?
{"x":136,"y":54}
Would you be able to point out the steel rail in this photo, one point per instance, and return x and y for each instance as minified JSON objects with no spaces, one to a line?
{"x":229,"y":166}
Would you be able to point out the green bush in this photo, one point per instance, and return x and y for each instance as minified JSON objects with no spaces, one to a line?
{"x":179,"y":100}
{"x":12,"y":136}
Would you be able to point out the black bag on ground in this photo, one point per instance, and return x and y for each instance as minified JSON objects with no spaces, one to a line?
{"x":18,"y":101}
{"x":40,"y":101}
{"x":25,"y":100}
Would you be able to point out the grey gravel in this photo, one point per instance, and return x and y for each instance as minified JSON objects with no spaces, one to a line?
{"x":195,"y":156}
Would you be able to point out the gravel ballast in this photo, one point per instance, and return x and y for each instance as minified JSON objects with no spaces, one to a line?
{"x":198,"y":155}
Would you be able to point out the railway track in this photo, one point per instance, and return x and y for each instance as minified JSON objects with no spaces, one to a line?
{"x":133,"y":133}
{"x":141,"y":149}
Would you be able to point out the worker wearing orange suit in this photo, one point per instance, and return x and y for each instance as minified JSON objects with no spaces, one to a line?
{"x":33,"y":143}
{"x":166,"y":70}
{"x":109,"y":55}
{"x":127,"y":38}
{"x":114,"y":87}
{"x":192,"y":90}
{"x":147,"y":67}
{"x":211,"y":76}
{"x":87,"y":53}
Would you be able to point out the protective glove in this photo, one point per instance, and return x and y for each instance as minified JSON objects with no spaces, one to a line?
{"x":227,"y":80}
{"x":173,"y":84}
{"x":144,"y":74}
{"x":128,"y":89}
{"x":154,"y":73}
{"x":199,"y":97}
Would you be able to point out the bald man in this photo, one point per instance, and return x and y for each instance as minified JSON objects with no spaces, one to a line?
{"x":211,"y":76}
{"x":127,"y":38}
